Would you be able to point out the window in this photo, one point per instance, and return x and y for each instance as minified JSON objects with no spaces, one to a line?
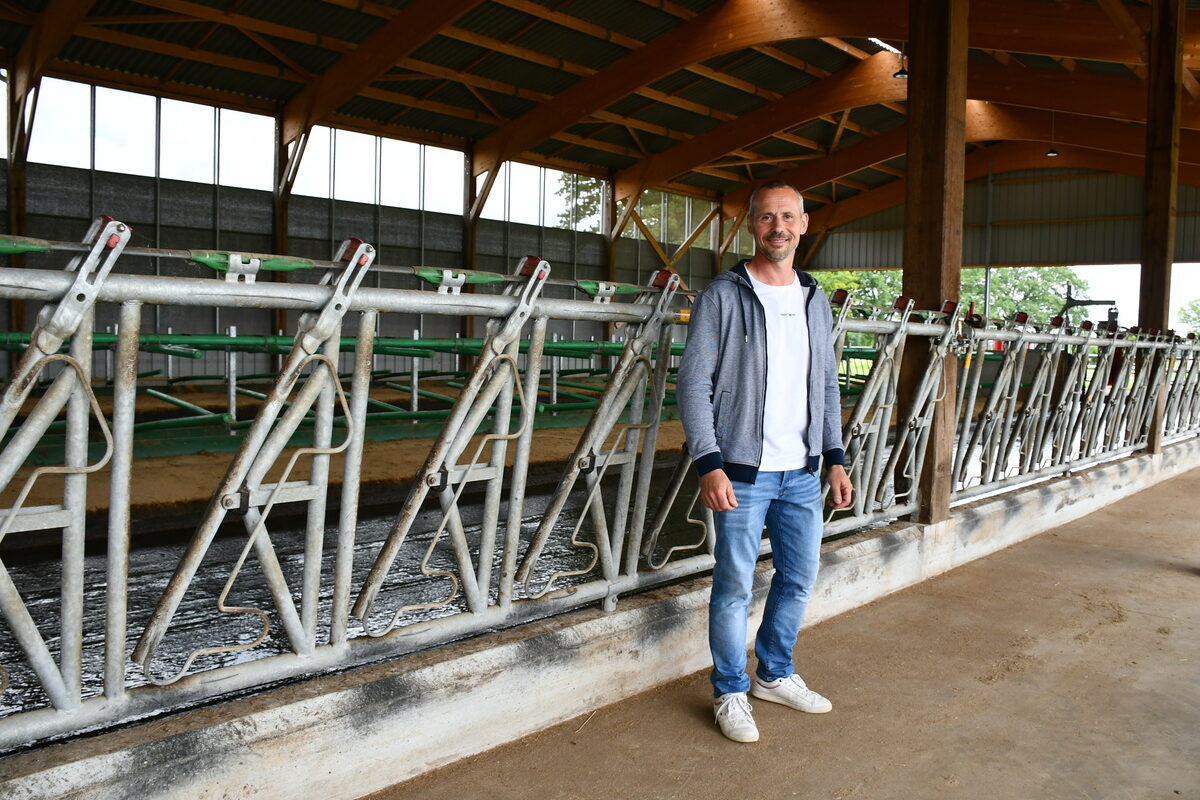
{"x":400,"y":173}
{"x":62,"y":124}
{"x":313,"y":177}
{"x":188,"y":141}
{"x":555,"y":207}
{"x":354,"y":166}
{"x":443,"y":180}
{"x":524,"y":193}
{"x":493,"y":207}
{"x":247,"y":150}
{"x":125,"y":130}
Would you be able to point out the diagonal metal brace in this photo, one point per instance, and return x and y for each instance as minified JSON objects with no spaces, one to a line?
{"x":476,"y":398}
{"x":263,"y":443}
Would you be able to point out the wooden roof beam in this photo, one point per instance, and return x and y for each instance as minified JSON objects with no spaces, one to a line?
{"x":985,"y":122}
{"x":190,"y":12}
{"x":861,"y":84}
{"x":1002,"y":157}
{"x":1135,"y":34}
{"x":396,"y":38}
{"x":187,"y":53}
{"x":52,"y":28}
{"x":1076,"y":31}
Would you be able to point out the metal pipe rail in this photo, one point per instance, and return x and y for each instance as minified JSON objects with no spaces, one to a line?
{"x":1058,"y":401}
{"x":445,"y":570}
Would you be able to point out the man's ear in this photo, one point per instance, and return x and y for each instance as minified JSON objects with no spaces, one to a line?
{"x":803,"y":224}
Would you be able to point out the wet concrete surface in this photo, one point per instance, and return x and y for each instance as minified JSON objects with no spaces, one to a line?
{"x":1067,"y":666}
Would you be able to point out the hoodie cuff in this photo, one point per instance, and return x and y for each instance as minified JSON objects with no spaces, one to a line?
{"x":709,"y":462}
{"x":835,"y":456}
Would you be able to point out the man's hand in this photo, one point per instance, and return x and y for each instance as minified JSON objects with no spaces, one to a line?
{"x":840,"y":490}
{"x":716,"y":491}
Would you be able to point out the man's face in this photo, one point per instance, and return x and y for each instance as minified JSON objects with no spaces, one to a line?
{"x":777,"y":224}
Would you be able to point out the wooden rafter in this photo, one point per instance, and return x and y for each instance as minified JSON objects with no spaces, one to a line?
{"x":1002,"y":157}
{"x":190,"y":53}
{"x":1135,"y":34}
{"x":1075,"y":31}
{"x":51,"y":30}
{"x":189,"y":12}
{"x":865,"y":82}
{"x":394,"y":39}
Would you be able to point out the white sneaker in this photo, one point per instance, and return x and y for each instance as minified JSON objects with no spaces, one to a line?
{"x":733,"y":717}
{"x":790,"y":691}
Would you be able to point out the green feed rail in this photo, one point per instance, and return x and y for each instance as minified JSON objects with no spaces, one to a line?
{"x":219,"y":261}
{"x":16,"y":245}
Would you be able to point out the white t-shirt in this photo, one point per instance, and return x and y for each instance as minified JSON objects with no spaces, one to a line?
{"x":785,"y":414}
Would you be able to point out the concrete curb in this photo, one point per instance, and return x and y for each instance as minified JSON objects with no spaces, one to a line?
{"x":347,"y":735}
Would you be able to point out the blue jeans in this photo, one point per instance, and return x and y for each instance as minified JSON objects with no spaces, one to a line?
{"x":790,"y":505}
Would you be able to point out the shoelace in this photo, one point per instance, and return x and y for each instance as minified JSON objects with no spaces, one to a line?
{"x":736,"y":706}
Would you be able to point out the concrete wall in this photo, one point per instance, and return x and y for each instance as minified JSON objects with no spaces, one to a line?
{"x":347,"y":735}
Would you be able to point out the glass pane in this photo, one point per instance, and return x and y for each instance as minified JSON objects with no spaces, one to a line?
{"x":589,"y":195}
{"x":556,"y":208}
{"x":187,"y":141}
{"x":313,"y":178}
{"x":525,"y":193}
{"x":493,"y":207}
{"x":354,"y":167}
{"x":62,"y":125}
{"x":124,"y":132}
{"x":444,"y":180}
{"x":401,"y":174}
{"x":247,"y":156}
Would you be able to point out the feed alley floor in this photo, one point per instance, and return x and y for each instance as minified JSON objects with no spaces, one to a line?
{"x":1067,"y":666}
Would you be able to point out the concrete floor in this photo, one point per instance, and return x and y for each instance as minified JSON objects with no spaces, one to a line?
{"x":1064,"y":667}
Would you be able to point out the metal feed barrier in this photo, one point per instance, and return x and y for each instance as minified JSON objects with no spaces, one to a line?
{"x":472,"y":547}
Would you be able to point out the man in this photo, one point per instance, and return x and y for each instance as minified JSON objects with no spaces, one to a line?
{"x":758,"y":394}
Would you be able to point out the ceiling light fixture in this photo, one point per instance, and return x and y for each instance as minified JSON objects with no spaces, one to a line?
{"x":1052,"y":152}
{"x":902,"y":73}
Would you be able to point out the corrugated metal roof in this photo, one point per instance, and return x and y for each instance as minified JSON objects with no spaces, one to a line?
{"x":569,"y":45}
{"x":515,"y":48}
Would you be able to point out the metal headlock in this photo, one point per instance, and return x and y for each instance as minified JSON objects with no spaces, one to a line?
{"x":630,"y":375}
{"x":243,"y":488}
{"x":1033,"y":402}
{"x":494,"y":377}
{"x":70,"y":316}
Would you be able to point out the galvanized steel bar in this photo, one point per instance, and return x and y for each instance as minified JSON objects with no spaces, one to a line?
{"x":117,"y":556}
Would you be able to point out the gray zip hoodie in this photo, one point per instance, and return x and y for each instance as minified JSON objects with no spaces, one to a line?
{"x":722,"y":381}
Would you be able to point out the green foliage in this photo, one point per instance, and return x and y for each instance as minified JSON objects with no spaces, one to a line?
{"x":1189,"y":316}
{"x":1038,"y":291}
{"x":584,"y":214}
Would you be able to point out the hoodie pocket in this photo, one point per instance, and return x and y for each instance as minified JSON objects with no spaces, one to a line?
{"x":719,"y":421}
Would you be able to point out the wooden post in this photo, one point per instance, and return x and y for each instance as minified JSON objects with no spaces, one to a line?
{"x":937,"y":56}
{"x":1160,"y":191}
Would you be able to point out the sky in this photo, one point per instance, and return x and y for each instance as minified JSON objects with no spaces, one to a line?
{"x":348,"y":162}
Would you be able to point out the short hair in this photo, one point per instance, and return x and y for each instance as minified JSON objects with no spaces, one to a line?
{"x":776,"y":184}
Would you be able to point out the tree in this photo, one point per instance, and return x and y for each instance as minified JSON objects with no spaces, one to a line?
{"x":1189,"y":316}
{"x":584,"y":196}
{"x":1038,"y":291}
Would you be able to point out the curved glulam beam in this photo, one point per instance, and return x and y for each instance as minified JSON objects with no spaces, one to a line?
{"x":395,"y":39}
{"x":1068,"y":92}
{"x":1003,"y":157}
{"x":864,"y":83}
{"x":985,"y":122}
{"x":1024,"y":26}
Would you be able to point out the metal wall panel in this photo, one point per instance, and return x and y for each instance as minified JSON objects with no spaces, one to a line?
{"x":1073,"y":218}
